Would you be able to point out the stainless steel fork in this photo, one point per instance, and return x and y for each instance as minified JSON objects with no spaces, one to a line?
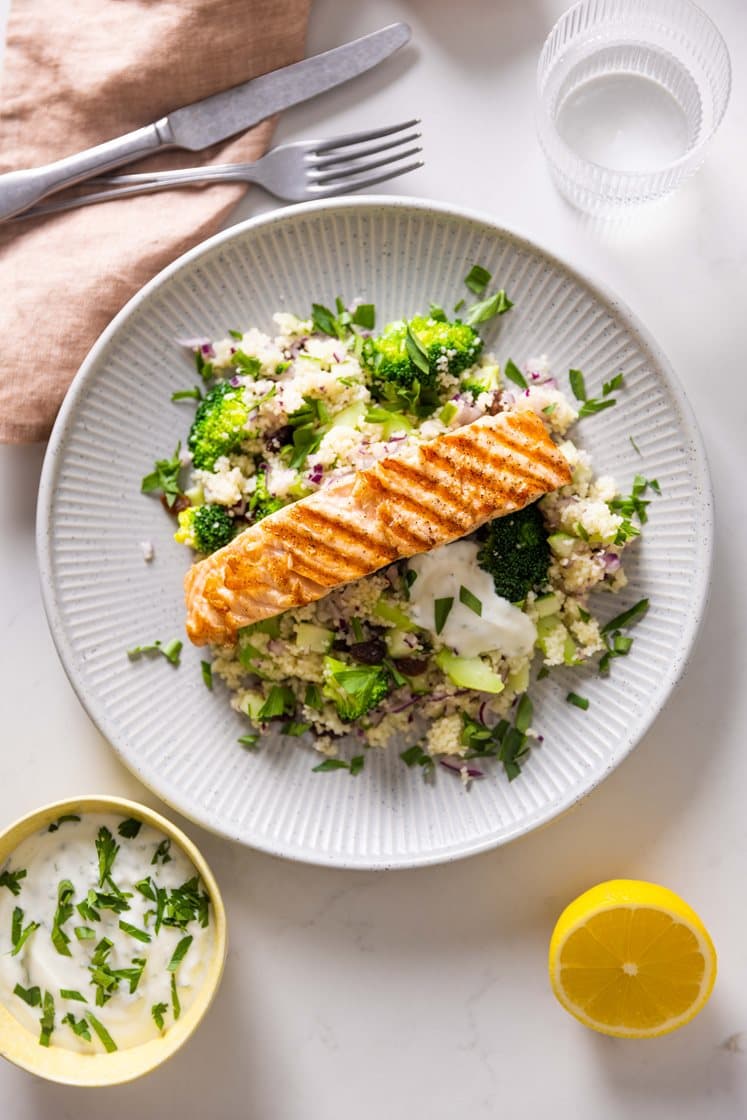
{"x":294,"y":172}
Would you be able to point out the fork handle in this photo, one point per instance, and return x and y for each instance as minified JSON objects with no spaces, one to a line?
{"x":19,"y":190}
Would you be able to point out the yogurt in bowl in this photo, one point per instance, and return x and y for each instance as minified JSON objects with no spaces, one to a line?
{"x":112,"y":940}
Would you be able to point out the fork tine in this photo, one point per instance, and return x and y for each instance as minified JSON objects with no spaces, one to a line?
{"x":346,"y":172}
{"x":348,"y":185}
{"x":361,"y":137}
{"x":363,"y":153}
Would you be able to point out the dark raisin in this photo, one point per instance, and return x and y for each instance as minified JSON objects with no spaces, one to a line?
{"x":411,"y":666}
{"x":280,"y":438}
{"x":181,"y":502}
{"x":371,"y":652}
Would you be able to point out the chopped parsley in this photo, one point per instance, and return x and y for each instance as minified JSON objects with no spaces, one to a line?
{"x":313,"y":697}
{"x":280,"y":702}
{"x":78,"y":1027}
{"x":207,"y":674}
{"x":129,"y":828}
{"x":441,"y":611}
{"x":47,"y":1020}
{"x":161,"y":854}
{"x":416,"y":351}
{"x":416,"y":756}
{"x":106,"y":1039}
{"x":180,"y":953}
{"x":246,"y":363}
{"x":477,"y":279}
{"x":12,"y":880}
{"x":158,"y":1010}
{"x":507,"y":743}
{"x":72,"y":993}
{"x":106,"y":848}
{"x":513,"y":373}
{"x":175,"y":1004}
{"x":635,"y":446}
{"x":497,"y":304}
{"x":62,"y":914}
{"x":170,"y":650}
{"x":138,"y":934}
{"x":354,"y":766}
{"x":365,"y":316}
{"x":19,"y":934}
{"x":165,"y":477}
{"x":249,"y":740}
{"x":64,"y":819}
{"x":592,"y":405}
{"x":31,"y":996}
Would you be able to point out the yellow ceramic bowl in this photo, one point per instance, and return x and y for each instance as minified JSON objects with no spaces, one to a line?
{"x":67,"y":1066}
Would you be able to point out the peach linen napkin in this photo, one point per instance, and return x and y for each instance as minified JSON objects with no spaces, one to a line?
{"x":75,"y":74}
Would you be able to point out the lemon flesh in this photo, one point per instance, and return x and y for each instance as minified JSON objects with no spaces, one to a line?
{"x":631,"y":959}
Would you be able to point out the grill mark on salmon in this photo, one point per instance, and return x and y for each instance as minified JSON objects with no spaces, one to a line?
{"x":437,"y":492}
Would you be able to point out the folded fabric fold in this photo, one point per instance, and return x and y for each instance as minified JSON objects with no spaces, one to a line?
{"x":79,"y":73}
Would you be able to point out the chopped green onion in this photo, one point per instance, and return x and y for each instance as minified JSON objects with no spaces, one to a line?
{"x":80,"y":1028}
{"x":579,"y":701}
{"x":19,"y":935}
{"x":627,"y":618}
{"x":84,"y":933}
{"x":441,"y":610}
{"x":470,"y":600}
{"x":187,"y":394}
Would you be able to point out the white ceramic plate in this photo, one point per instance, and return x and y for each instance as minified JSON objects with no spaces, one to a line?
{"x":101,"y":598}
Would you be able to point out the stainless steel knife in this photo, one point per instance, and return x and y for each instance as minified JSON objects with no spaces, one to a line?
{"x":208,"y":121}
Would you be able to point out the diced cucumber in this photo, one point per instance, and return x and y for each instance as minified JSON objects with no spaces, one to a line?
{"x":351,"y":416}
{"x":448,"y":412}
{"x":313,"y":638}
{"x":389,"y":613}
{"x":569,"y":651}
{"x":519,"y":681}
{"x":561,"y":544}
{"x":546,"y":625}
{"x":547,"y":604}
{"x":396,"y":643}
{"x":252,"y":703}
{"x":469,"y":672}
{"x":269,"y":626}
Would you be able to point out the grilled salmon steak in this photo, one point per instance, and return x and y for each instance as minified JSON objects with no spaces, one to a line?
{"x":429,"y":495}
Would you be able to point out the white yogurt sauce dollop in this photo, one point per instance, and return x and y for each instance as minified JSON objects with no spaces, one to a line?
{"x":69,"y":853}
{"x":441,"y":574}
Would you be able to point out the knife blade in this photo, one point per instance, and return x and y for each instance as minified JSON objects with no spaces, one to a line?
{"x":233,"y":110}
{"x":208,"y":121}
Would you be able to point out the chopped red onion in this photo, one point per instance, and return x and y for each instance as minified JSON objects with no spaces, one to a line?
{"x":471,"y":771}
{"x":195,"y":343}
{"x":316,"y":474}
{"x":481,"y":711}
{"x":611,"y":562}
{"x":235,"y":381}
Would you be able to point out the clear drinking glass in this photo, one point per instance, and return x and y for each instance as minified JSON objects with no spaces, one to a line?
{"x":629,"y":94}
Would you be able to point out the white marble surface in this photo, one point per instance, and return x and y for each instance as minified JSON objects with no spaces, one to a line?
{"x":424,"y":993}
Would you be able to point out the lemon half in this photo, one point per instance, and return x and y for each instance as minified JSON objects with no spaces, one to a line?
{"x":631,"y":959}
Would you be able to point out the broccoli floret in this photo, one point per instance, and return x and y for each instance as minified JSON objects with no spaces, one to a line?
{"x":354,"y":689}
{"x":206,"y":528}
{"x":262,"y":503}
{"x":447,"y":348}
{"x":219,"y":426}
{"x":515,"y":552}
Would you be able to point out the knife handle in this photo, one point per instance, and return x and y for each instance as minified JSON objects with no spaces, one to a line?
{"x":21,"y":189}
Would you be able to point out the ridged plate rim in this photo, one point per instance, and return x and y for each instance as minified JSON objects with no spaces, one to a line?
{"x":96,"y":709}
